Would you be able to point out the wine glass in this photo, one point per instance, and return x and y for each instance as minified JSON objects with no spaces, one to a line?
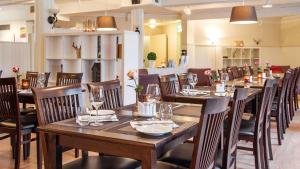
{"x":41,"y":80}
{"x":193,"y":80}
{"x":153,"y":96}
{"x":165,"y":111}
{"x":96,"y":99}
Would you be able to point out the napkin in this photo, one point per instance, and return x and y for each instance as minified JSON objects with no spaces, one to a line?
{"x":135,"y":124}
{"x":25,"y":91}
{"x":100,"y":112}
{"x":107,"y":118}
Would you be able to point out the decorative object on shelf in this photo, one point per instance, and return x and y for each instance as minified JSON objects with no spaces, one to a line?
{"x":16,"y":70}
{"x":77,"y":50}
{"x":96,"y":72}
{"x":52,"y":19}
{"x":239,"y":43}
{"x":61,"y":68}
{"x":257,"y":41}
{"x":171,"y":63}
{"x":183,"y":58}
{"x":243,"y":14}
{"x":268,"y":70}
{"x":137,"y":30}
{"x":89,"y":25}
{"x":133,"y":75}
{"x":151,"y":59}
{"x":133,"y":2}
{"x":106,"y":23}
{"x":25,"y":84}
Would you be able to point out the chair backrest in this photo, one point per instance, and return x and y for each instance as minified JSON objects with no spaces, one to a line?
{"x":240,"y":72}
{"x":112,"y":94}
{"x":9,"y":104}
{"x":261,"y":115}
{"x":235,"y":72}
{"x":230,"y":74}
{"x":65,"y":79}
{"x":143,"y":71}
{"x":208,"y":134}
{"x":251,"y":70}
{"x":298,"y":82}
{"x":57,"y":103}
{"x":168,"y":84}
{"x":234,"y":123}
{"x":0,"y":73}
{"x":183,"y":79}
{"x":33,"y":77}
{"x":282,"y":92}
{"x":203,"y":80}
{"x":145,"y":80}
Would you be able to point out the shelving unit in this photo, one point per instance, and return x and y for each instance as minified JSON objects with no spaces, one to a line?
{"x":239,"y":56}
{"x":59,"y":52}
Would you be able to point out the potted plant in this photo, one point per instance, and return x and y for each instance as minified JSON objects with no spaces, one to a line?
{"x":151,"y":59}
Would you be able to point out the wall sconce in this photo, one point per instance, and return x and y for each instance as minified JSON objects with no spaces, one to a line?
{"x":52,"y":19}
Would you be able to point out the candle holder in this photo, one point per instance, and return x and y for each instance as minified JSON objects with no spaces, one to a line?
{"x":25,"y":84}
{"x":246,"y":79}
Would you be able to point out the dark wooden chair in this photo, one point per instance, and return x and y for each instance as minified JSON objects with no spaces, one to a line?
{"x":143,"y":71}
{"x":65,"y":79}
{"x":278,"y":108}
{"x":183,"y":79}
{"x":33,"y":77}
{"x":251,"y":70}
{"x":1,"y":73}
{"x":201,"y":154}
{"x":61,"y":103}
{"x":203,"y":80}
{"x":252,"y":130}
{"x":112,"y":94}
{"x":297,"y":90}
{"x":145,"y":80}
{"x":240,"y":72}
{"x":287,"y":105}
{"x":292,"y":96}
{"x":235,"y":72}
{"x":168,"y":85}
{"x":230,"y":74}
{"x":11,"y":120}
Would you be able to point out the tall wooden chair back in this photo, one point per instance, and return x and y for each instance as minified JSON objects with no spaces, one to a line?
{"x":33,"y":78}
{"x":235,"y":72}
{"x":292,"y":95}
{"x":240,"y":72}
{"x":0,"y":73}
{"x":183,"y":79}
{"x":57,"y":103}
{"x":234,"y":123}
{"x":282,"y":113}
{"x":112,"y":94}
{"x":203,"y":79}
{"x":145,"y":80}
{"x":65,"y":79}
{"x":208,"y":134}
{"x":168,"y":84}
{"x":230,"y":74}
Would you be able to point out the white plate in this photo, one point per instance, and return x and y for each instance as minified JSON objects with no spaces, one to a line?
{"x":155,"y":129}
{"x":101,"y":112}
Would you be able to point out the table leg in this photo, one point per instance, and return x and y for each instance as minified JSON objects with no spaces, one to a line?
{"x":149,"y":160}
{"x":54,"y":152}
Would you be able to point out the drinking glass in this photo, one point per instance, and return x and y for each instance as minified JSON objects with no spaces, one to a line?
{"x":186,"y":89}
{"x":193,"y":80}
{"x":153,"y":96}
{"x":41,"y":80}
{"x":96,"y":99}
{"x":165,"y":111}
{"x":82,"y":117}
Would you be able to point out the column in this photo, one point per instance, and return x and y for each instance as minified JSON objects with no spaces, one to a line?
{"x":41,"y":26}
{"x":137,"y":20}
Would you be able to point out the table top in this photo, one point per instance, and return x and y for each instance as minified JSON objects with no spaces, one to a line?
{"x":122,"y":132}
{"x":257,"y":82}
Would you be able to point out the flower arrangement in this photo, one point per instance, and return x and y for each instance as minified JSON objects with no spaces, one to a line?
{"x":246,"y":70}
{"x":132,"y":75}
{"x":16,"y":70}
{"x":213,"y":76}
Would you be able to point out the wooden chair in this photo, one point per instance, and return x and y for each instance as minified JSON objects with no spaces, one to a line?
{"x":297,"y":90}
{"x":65,"y":79}
{"x":11,"y":121}
{"x":201,"y":154}
{"x":143,"y":71}
{"x":230,"y":74}
{"x":253,"y":130}
{"x":203,"y":80}
{"x":60,"y":103}
{"x":251,"y":70}
{"x":183,"y":79}
{"x":168,"y":85}
{"x":112,"y":94}
{"x":235,"y":72}
{"x":278,"y":108}
{"x":240,"y":72}
{"x":1,"y":73}
{"x":287,"y":112}
{"x":292,"y":96}
{"x":33,"y":77}
{"x":145,"y":80}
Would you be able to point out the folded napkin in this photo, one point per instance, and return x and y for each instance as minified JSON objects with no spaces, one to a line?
{"x":24,"y":91}
{"x":100,"y":112}
{"x":135,"y":124}
{"x":107,"y":118}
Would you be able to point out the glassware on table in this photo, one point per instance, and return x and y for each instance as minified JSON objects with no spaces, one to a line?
{"x":193,"y":79}
{"x":82,"y":117}
{"x":96,"y":96}
{"x":165,"y":111}
{"x":186,"y":89}
{"x":41,"y":79}
{"x":153,"y":95}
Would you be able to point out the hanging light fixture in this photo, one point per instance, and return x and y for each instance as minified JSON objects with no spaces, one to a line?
{"x":243,"y":14}
{"x":106,"y":23}
{"x":268,"y":4}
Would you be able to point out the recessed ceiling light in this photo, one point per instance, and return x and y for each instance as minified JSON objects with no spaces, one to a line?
{"x":187,"y":11}
{"x":152,"y":23}
{"x":268,"y":4}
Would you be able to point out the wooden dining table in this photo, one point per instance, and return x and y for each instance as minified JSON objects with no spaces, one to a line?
{"x":118,"y":138}
{"x":257,"y":82}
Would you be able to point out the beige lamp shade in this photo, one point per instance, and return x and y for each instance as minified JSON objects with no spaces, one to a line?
{"x":243,"y":15}
{"x":106,"y":23}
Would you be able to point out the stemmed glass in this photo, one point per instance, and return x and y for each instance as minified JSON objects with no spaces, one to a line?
{"x":153,"y":95}
{"x":96,"y":96}
{"x":41,"y":80}
{"x":193,"y":80}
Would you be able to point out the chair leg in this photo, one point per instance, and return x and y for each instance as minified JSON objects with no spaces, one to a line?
{"x":13,"y":147}
{"x":39,"y":151}
{"x":256,"y":152}
{"x":76,"y":153}
{"x":18,"y":150}
{"x":269,"y":143}
{"x":26,"y":145}
{"x":279,"y":129}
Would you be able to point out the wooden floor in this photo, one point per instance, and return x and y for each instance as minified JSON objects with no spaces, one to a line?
{"x":285,"y":156}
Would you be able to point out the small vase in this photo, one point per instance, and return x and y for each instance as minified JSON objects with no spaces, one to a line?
{"x":151,"y":63}
{"x":135,"y":111}
{"x":18,"y":82}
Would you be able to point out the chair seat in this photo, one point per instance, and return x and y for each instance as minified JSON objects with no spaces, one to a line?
{"x":103,"y":162}
{"x":181,"y":155}
{"x":247,"y":127}
{"x":29,"y":110}
{"x":28,"y":121}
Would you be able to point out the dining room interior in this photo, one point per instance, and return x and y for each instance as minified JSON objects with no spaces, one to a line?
{"x":149,"y":84}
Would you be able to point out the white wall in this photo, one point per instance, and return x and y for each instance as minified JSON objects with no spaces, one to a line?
{"x":13,"y":35}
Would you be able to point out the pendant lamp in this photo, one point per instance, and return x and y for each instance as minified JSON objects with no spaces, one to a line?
{"x":243,"y":15}
{"x":106,"y":23}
